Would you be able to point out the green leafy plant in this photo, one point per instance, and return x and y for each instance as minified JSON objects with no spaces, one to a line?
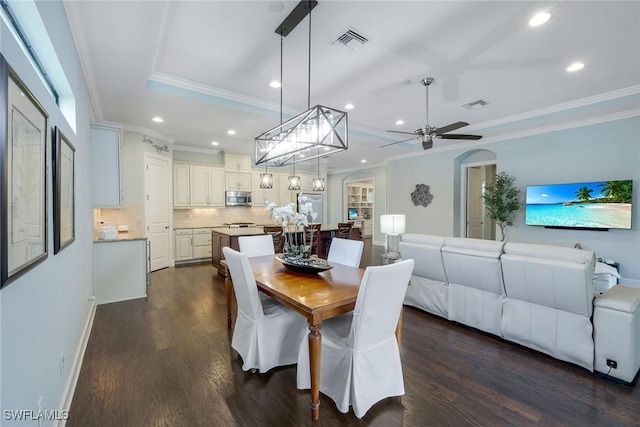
{"x":502,"y":200}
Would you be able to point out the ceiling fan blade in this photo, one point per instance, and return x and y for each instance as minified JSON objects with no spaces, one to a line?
{"x":426,"y":144}
{"x":449,"y":128}
{"x":460,"y":136}
{"x":397,"y":142}
{"x":399,"y":131}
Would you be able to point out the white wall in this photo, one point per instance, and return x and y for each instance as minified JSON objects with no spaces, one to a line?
{"x":43,"y":313}
{"x":604,"y":151}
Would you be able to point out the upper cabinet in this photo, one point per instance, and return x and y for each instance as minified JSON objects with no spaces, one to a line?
{"x":238,"y":172}
{"x":237,"y":163}
{"x":105,"y":166}
{"x":198,"y":185}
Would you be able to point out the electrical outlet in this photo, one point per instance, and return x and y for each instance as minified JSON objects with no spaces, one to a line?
{"x":612,"y":364}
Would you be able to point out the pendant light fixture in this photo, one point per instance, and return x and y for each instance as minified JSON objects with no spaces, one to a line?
{"x":318,"y":183}
{"x":322,"y":128}
{"x":294,"y":180}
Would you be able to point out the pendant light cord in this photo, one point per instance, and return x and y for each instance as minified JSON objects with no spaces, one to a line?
{"x":309,"y":74}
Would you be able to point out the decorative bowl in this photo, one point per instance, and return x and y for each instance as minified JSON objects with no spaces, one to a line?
{"x":311,"y":265}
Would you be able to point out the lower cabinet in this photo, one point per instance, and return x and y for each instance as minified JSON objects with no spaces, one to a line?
{"x":120,"y":270}
{"x":184,"y":245}
{"x":201,"y":244}
{"x":192,"y":244}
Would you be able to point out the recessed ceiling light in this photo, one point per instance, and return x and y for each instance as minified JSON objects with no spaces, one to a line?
{"x":326,"y":148}
{"x":348,"y":107}
{"x":275,"y":84}
{"x":301,"y":155}
{"x":157,"y":119}
{"x":539,"y":19}
{"x":231,"y":132}
{"x":363,"y":161}
{"x":215,"y":143}
{"x":575,"y":66}
{"x":399,"y":122}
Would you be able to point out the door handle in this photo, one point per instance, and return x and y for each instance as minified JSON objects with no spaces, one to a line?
{"x":166,"y":227}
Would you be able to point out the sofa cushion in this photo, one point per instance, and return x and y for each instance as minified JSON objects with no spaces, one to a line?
{"x":559,"y":278}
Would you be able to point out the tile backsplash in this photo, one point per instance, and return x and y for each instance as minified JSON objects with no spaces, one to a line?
{"x":184,"y":218}
{"x":193,"y":218}
{"x":130,"y":215}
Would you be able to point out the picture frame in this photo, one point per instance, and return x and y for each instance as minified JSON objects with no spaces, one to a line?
{"x":23,"y":173}
{"x":63,"y":161}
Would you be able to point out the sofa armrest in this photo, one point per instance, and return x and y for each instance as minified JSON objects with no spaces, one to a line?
{"x":616,"y":331}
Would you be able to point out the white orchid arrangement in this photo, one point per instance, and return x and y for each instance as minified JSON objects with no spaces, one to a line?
{"x":286,"y":216}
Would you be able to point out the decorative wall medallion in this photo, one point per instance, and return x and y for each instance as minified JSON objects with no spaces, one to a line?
{"x":422,"y":195}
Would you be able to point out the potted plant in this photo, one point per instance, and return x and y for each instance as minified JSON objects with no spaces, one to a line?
{"x":502,"y":200}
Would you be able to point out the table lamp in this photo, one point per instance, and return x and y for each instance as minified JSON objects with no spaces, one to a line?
{"x":392,"y":226}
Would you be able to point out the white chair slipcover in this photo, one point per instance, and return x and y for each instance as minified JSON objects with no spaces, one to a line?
{"x":360,"y":359}
{"x":346,"y":252}
{"x":259,"y":245}
{"x":267,"y":334}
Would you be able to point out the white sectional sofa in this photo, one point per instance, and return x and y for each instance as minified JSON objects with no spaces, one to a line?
{"x":539,"y":296}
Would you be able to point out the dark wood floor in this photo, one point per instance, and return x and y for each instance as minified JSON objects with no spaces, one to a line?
{"x":167,"y":361}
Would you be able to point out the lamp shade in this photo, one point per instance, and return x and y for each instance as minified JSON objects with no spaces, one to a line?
{"x":392,"y":224}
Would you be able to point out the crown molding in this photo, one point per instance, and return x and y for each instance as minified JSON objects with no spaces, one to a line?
{"x":531,"y":132}
{"x":590,"y":100}
{"x":177,"y":147}
{"x":142,"y":130}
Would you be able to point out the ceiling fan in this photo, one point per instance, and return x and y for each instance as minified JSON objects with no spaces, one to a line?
{"x":427,"y":132}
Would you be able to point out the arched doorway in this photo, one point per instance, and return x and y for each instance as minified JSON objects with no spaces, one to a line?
{"x":475,"y":170}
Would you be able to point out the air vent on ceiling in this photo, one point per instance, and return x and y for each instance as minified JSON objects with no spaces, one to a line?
{"x":350,"y":41}
{"x":475,"y":104}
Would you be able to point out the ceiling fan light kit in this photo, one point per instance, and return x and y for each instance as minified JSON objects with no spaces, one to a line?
{"x":427,"y":132}
{"x":322,"y":128}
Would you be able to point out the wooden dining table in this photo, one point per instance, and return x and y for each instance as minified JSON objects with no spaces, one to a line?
{"x":317,"y":297}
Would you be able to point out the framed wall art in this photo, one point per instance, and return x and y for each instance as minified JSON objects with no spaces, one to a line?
{"x":63,"y":156}
{"x":23,"y":173}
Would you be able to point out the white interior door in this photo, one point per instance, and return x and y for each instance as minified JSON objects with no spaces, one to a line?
{"x":157,"y":207}
{"x":474,"y":203}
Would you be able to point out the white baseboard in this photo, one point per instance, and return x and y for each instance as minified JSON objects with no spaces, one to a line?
{"x":70,"y":387}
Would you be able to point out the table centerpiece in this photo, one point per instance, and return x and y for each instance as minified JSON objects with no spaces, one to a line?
{"x":297,"y":253}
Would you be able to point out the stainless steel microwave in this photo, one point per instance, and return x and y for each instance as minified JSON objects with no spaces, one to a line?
{"x":237,"y":198}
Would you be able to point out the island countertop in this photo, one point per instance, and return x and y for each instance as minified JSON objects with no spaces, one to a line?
{"x":243,"y":231}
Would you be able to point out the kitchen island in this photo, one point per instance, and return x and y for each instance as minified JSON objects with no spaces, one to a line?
{"x":221,"y":237}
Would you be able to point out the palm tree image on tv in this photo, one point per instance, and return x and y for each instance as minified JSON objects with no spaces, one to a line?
{"x":600,"y":205}
{"x":584,"y":194}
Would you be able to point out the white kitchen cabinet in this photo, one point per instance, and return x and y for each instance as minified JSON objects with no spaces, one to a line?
{"x":306,"y":181}
{"x":105,"y":166}
{"x":192,"y":244}
{"x":201,"y":243}
{"x":183,"y":249}
{"x":198,"y":186}
{"x":285,"y":195}
{"x":237,"y":163}
{"x":181,"y":192}
{"x":206,"y":186}
{"x":120,"y":270}
{"x":238,"y":181}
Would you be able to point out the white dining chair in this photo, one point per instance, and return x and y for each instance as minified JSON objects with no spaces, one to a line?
{"x":267,"y":334}
{"x":360,"y":358}
{"x":347,"y":252}
{"x":259,"y":245}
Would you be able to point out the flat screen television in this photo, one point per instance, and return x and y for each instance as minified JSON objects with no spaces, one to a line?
{"x":599,"y":205}
{"x":352,"y":213}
